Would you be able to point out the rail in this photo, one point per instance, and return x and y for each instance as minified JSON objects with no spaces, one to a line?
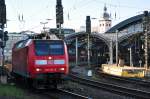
{"x":112,"y":88}
{"x":63,"y":94}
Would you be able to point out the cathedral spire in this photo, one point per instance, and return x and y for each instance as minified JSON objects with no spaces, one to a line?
{"x":105,"y":14}
{"x":105,"y":8}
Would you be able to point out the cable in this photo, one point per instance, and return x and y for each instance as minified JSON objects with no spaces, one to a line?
{"x":33,"y":27}
{"x":116,"y":5}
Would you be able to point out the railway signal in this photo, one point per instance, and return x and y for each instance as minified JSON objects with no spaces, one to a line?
{"x":59,"y":17}
{"x":2,"y":13}
{"x":88,"y":24}
{"x":59,"y":13}
{"x":4,"y":36}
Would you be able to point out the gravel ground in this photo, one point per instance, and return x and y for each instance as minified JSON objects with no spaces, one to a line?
{"x":93,"y":93}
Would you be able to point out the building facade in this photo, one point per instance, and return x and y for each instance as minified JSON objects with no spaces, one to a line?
{"x":104,"y":22}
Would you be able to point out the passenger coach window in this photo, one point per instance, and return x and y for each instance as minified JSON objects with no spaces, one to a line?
{"x":49,"y":48}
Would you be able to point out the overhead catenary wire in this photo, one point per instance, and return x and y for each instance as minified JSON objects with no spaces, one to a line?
{"x":102,"y":2}
{"x":75,"y":12}
{"x":19,"y":13}
{"x":118,"y":5}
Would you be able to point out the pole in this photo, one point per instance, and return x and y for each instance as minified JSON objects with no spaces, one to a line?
{"x":76,"y":51}
{"x":44,"y":23}
{"x":145,"y":28}
{"x":131,"y":64}
{"x":3,"y":45}
{"x":117,"y":47}
{"x":60,"y":35}
{"x":111,"y":52}
{"x":89,"y":66}
{"x":3,"y":61}
{"x":88,"y":31}
{"x":44,"y":28}
{"x":146,"y":50}
{"x":88,"y":51}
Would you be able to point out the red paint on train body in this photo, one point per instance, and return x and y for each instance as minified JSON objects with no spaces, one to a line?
{"x":38,"y":58}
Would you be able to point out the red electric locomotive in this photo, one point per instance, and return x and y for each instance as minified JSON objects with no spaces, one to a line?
{"x":40,"y":61}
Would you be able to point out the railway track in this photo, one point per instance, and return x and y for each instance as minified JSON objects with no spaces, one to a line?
{"x":135,"y":93}
{"x":51,"y":93}
{"x":63,"y":94}
{"x":139,"y":81}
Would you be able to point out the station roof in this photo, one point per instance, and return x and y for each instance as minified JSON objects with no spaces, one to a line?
{"x":126,"y":23}
{"x":83,"y":34}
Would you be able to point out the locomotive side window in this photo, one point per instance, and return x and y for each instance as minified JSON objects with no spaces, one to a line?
{"x":43,"y":47}
{"x":19,"y":44}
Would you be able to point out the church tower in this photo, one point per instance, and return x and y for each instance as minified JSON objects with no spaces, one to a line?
{"x":104,"y":22}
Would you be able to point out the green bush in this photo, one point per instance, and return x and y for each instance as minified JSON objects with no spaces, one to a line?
{"x":11,"y":91}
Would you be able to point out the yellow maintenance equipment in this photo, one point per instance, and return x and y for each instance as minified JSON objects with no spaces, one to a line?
{"x":124,"y":71}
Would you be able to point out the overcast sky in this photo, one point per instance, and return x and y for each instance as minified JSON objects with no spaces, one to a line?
{"x":75,"y":12}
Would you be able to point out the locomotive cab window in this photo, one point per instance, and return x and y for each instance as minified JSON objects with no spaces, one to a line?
{"x":49,"y":47}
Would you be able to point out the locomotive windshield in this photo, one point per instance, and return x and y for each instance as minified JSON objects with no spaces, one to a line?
{"x":49,"y":47}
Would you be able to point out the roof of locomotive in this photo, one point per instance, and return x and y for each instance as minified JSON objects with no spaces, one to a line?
{"x":27,"y":42}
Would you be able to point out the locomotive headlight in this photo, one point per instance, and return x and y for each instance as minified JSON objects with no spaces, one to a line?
{"x":49,"y":57}
{"x":62,"y":69}
{"x":38,"y":69}
{"x":40,"y":62}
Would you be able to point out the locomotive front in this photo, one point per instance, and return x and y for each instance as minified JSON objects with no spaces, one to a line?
{"x":50,"y":58}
